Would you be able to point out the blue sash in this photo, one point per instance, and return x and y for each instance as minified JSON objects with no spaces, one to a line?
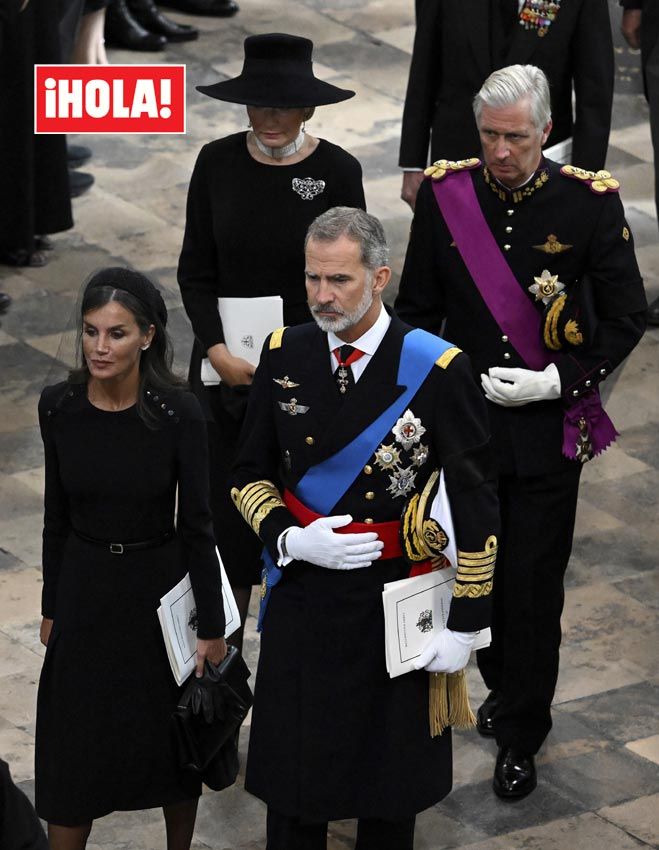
{"x":323,"y":485}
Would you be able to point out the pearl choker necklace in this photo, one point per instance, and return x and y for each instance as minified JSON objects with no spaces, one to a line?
{"x":283,"y":152}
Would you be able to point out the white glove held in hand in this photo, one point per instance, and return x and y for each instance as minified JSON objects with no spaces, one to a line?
{"x":318,"y":544}
{"x":514,"y":387}
{"x":447,"y":652}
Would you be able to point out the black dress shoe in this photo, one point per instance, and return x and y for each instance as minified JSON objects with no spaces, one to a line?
{"x":79,"y":183}
{"x":514,"y":774}
{"x":653,"y":313}
{"x":210,"y":8}
{"x":122,"y":30}
{"x":77,"y":155}
{"x":152,"y":19}
{"x":485,"y":716}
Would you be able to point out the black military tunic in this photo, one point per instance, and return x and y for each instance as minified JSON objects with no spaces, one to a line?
{"x":332,"y":736}
{"x":557,"y":223}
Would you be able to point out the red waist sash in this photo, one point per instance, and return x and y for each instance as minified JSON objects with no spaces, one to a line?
{"x":388,"y":532}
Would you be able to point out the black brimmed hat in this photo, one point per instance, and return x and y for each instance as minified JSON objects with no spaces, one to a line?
{"x":277,"y":72}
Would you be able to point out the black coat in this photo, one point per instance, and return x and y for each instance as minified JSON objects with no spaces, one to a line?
{"x":455,"y":49}
{"x":332,"y":736}
{"x":435,"y":285}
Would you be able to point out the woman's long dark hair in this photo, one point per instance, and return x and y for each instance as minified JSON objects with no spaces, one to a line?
{"x":156,"y":373}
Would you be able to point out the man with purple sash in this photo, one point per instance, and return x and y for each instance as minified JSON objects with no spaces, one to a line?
{"x":531,"y":267}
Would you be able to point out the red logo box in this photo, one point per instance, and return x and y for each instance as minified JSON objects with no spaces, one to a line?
{"x":109,"y":98}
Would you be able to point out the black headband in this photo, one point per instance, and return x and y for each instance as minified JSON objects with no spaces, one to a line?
{"x":135,"y":283}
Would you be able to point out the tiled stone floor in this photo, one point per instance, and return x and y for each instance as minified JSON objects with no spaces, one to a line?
{"x":599,"y":774}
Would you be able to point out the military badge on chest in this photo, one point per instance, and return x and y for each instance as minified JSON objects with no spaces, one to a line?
{"x":539,"y":15}
{"x":403,"y":458}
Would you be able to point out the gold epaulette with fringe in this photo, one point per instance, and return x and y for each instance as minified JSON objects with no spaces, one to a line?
{"x":438,"y":170}
{"x":599,"y":182}
{"x":276,"y":338}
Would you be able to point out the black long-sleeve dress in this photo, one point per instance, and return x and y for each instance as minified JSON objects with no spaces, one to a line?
{"x":244,"y":237}
{"x":106,"y":692}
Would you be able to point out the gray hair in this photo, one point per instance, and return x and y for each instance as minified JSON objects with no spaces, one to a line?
{"x":357,"y":225}
{"x":507,"y":86}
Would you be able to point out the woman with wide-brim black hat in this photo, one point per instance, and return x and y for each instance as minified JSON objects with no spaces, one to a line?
{"x":252,"y":197}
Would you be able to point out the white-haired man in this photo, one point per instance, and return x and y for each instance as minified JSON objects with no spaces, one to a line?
{"x":350,"y":419}
{"x":532,"y":266}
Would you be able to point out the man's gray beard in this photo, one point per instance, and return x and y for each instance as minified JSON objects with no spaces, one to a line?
{"x":346,"y":320}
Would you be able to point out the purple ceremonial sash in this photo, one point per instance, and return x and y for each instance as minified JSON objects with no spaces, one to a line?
{"x":498,"y":286}
{"x":509,"y":305}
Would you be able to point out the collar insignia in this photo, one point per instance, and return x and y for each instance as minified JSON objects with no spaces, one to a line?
{"x":552,"y":245}
{"x":546,"y":287}
{"x":514,"y":196}
{"x":285,"y":383}
{"x":292,"y":407}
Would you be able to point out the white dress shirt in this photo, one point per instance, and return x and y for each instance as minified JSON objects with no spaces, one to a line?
{"x":367,"y":342}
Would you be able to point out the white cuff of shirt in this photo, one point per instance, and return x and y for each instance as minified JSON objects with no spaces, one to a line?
{"x":283,"y":560}
{"x":405,"y":168}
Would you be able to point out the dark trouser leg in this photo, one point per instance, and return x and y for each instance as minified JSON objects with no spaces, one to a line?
{"x":652,"y":80}
{"x":374,"y":834}
{"x":538,"y":516}
{"x":287,"y":833}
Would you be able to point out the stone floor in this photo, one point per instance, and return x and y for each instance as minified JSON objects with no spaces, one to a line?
{"x":599,"y":774}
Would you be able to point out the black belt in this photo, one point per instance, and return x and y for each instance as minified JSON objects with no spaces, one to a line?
{"x":121,"y":548}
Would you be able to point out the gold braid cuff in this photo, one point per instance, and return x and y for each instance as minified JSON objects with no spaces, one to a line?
{"x":475,"y":571}
{"x":255,"y":501}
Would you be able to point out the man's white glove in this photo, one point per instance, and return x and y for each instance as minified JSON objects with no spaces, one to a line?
{"x":318,"y":544}
{"x":515,"y":387}
{"x":447,"y":652}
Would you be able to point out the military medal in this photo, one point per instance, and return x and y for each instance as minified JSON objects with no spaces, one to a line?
{"x":387,"y":457}
{"x":402,"y":481}
{"x":285,"y":383}
{"x":546,"y":287}
{"x":342,"y":379}
{"x":539,"y":15}
{"x":552,"y":245}
{"x":584,"y":447}
{"x":292,"y":407}
{"x":408,"y":430}
{"x":419,"y":455}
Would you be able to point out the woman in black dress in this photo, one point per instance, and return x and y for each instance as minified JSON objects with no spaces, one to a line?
{"x":252,"y":197}
{"x":121,"y":436}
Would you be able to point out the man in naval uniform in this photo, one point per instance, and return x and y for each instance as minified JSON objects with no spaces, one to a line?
{"x":349,"y":417}
{"x":532,"y":267}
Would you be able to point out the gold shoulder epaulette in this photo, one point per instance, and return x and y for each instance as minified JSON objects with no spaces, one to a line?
{"x":276,"y":338}
{"x":599,"y":182}
{"x":447,"y":357}
{"x":438,"y":170}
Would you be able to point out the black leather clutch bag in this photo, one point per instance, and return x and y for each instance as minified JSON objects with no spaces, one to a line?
{"x":207,"y":721}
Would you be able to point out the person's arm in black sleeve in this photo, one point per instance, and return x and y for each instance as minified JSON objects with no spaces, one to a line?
{"x":463,"y":445}
{"x":256,"y":490}
{"x":591,"y":60}
{"x":350,"y":189}
{"x":194,"y":521}
{"x":420,"y":301}
{"x":619,"y":304}
{"x":422,"y":87}
{"x":57,"y":522}
{"x":197,"y":266}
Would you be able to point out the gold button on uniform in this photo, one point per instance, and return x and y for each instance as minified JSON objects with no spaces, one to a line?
{"x":506,"y":247}
{"x":370,"y":495}
{"x":368,"y":470}
{"x":510,"y":212}
{"x":368,"y":520}
{"x":509,"y":229}
{"x":309,"y":441}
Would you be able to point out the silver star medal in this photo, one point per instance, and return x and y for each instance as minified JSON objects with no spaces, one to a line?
{"x":402,"y":481}
{"x":408,"y":430}
{"x":546,"y":287}
{"x":292,"y":407}
{"x":285,"y":383}
{"x":419,"y":455}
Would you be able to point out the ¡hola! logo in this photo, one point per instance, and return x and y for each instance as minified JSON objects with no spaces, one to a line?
{"x":109,"y":99}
